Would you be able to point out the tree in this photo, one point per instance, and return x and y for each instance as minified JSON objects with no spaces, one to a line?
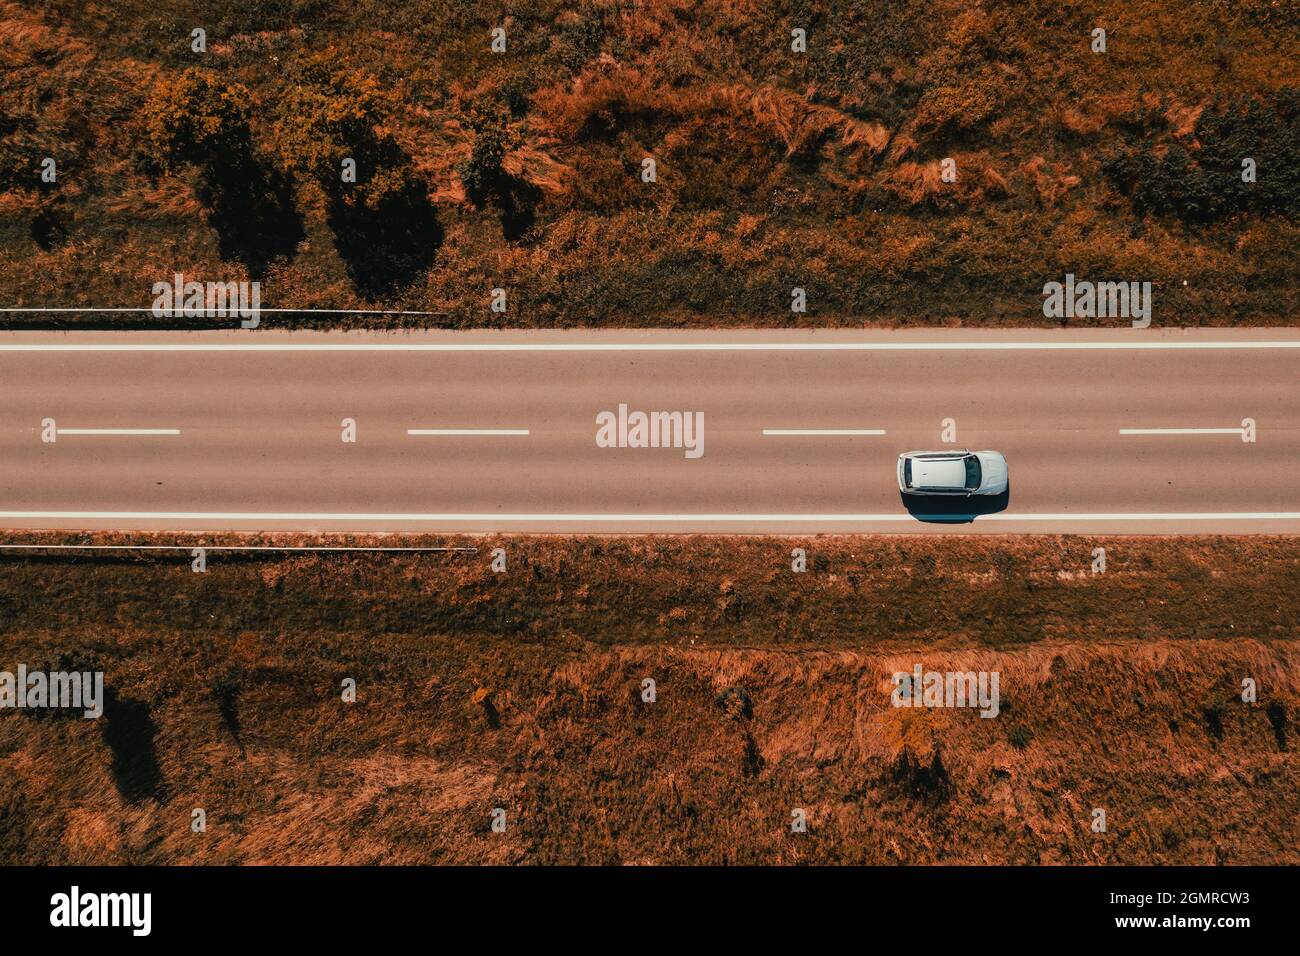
{"x":385,"y":227}
{"x":332,"y":114}
{"x":198,"y":119}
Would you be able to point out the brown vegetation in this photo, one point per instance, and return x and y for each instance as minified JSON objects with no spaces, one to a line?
{"x":523,"y":691}
{"x":523,"y":170}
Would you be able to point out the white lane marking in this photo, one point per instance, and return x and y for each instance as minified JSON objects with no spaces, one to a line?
{"x":634,"y":347}
{"x":1182,"y":431}
{"x":467,"y":431}
{"x":823,"y":431}
{"x":489,"y":517}
{"x":117,"y":431}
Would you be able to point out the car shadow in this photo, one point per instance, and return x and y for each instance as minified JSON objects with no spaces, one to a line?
{"x":939,"y":509}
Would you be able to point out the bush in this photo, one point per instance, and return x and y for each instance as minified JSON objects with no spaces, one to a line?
{"x":1201,"y":183}
{"x":197,"y":119}
{"x":1269,"y":133}
{"x":1176,"y":185}
{"x":965,"y":91}
{"x":482,"y":174}
{"x":736,"y":703}
{"x":385,"y":226}
{"x":331,"y":114}
{"x":959,"y":107}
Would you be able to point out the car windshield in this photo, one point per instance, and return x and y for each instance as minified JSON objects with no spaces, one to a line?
{"x":972,"y":473}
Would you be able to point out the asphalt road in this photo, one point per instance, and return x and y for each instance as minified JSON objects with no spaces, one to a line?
{"x":247,"y":430}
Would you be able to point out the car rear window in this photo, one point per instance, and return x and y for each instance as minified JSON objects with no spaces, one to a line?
{"x":973,"y":474}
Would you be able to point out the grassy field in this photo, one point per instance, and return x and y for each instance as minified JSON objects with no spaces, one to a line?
{"x":522,"y":170}
{"x":523,"y":690}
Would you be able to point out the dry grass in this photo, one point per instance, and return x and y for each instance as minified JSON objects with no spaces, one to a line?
{"x":842,"y":143}
{"x":522,"y":691}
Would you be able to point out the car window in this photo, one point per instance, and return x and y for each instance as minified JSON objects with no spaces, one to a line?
{"x":907,"y":472}
{"x":973,"y":474}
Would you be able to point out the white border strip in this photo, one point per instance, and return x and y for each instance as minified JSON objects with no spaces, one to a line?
{"x":637,"y":347}
{"x":489,"y":517}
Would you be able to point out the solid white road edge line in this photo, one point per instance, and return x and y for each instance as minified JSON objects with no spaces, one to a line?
{"x":559,"y":518}
{"x":635,"y":347}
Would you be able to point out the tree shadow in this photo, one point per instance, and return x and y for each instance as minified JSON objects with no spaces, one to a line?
{"x":517,"y":202}
{"x":927,"y":782}
{"x":48,"y":229}
{"x":1277,"y":718}
{"x":251,"y":207}
{"x":386,"y":248}
{"x":488,"y":183}
{"x":955,"y":509}
{"x":130,"y":733}
{"x":226,"y":692}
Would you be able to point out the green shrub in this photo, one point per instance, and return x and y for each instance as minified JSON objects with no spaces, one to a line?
{"x":1202,"y":182}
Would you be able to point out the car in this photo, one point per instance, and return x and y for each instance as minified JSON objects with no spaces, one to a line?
{"x":962,"y":472}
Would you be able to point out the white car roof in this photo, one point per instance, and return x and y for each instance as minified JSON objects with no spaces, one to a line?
{"x":938,"y":473}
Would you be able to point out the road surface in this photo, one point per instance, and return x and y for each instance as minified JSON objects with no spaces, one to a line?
{"x":1115,"y":431}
